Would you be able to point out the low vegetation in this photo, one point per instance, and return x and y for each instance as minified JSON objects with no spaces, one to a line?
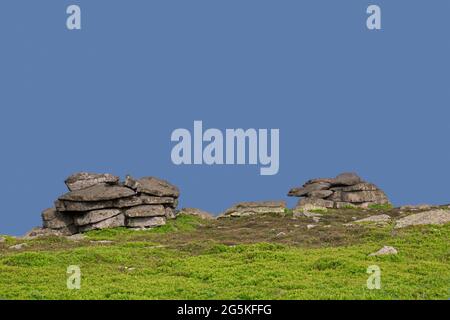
{"x":258,"y":257}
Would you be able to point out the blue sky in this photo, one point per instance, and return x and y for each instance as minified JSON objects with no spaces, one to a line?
{"x":107,"y":98}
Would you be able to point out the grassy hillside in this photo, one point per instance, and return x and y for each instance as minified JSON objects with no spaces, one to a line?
{"x":260,"y":257}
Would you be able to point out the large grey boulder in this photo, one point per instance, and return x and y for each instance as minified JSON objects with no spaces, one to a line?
{"x":99,"y":192}
{"x":305,"y":204}
{"x":320,"y":194}
{"x":54,"y":219}
{"x":95,"y":216}
{"x":145,"y":222}
{"x":335,"y":196}
{"x":416,"y":207}
{"x":152,"y":186}
{"x":145,"y":211}
{"x":59,"y":222}
{"x":141,"y":199}
{"x":362,"y":186}
{"x":438,"y":216}
{"x":243,"y":209}
{"x":346,"y":179}
{"x":377,"y":219}
{"x":83,"y":180}
{"x":114,"y":222}
{"x":377,"y":196}
{"x":318,"y":180}
{"x":302,"y":191}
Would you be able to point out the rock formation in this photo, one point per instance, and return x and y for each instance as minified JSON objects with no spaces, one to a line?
{"x":244,"y":209}
{"x":346,"y":190}
{"x":438,"y":216}
{"x":100,"y":201}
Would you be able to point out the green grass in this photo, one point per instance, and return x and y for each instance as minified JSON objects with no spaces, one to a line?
{"x":182,"y":261}
{"x":182,"y":223}
{"x":318,"y":210}
{"x":349,"y":206}
{"x":386,"y":206}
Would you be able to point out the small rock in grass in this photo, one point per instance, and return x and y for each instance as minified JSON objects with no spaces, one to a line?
{"x":316,"y":219}
{"x":416,"y":207}
{"x":2,"y":239}
{"x":281,"y":234}
{"x":128,"y":269}
{"x":386,"y":250}
{"x":18,"y":246}
{"x":311,"y":214}
{"x":76,"y":237}
{"x":102,"y":241}
{"x":378,"y":219}
{"x":310,"y":226}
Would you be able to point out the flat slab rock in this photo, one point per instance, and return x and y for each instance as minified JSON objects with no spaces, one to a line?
{"x":83,"y":180}
{"x":98,"y":192}
{"x":95,"y":216}
{"x":145,"y":211}
{"x":377,"y":196}
{"x":381,"y":218}
{"x":306,"y":189}
{"x":313,"y":203}
{"x":438,"y":216}
{"x":152,"y":186}
{"x":114,"y":222}
{"x":255,"y":207}
{"x":414,"y":207}
{"x":362,"y":186}
{"x":141,"y":199}
{"x":145,"y":222}
{"x":346,"y":179}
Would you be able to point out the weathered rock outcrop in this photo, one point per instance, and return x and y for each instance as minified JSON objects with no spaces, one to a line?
{"x":346,"y":190}
{"x":85,"y":180}
{"x":438,"y":216}
{"x":99,"y":201}
{"x":244,"y":209}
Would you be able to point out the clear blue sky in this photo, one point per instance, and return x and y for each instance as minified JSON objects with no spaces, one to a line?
{"x":106,"y":98}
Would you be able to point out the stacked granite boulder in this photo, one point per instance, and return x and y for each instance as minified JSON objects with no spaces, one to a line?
{"x":346,"y":190}
{"x":99,"y":201}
